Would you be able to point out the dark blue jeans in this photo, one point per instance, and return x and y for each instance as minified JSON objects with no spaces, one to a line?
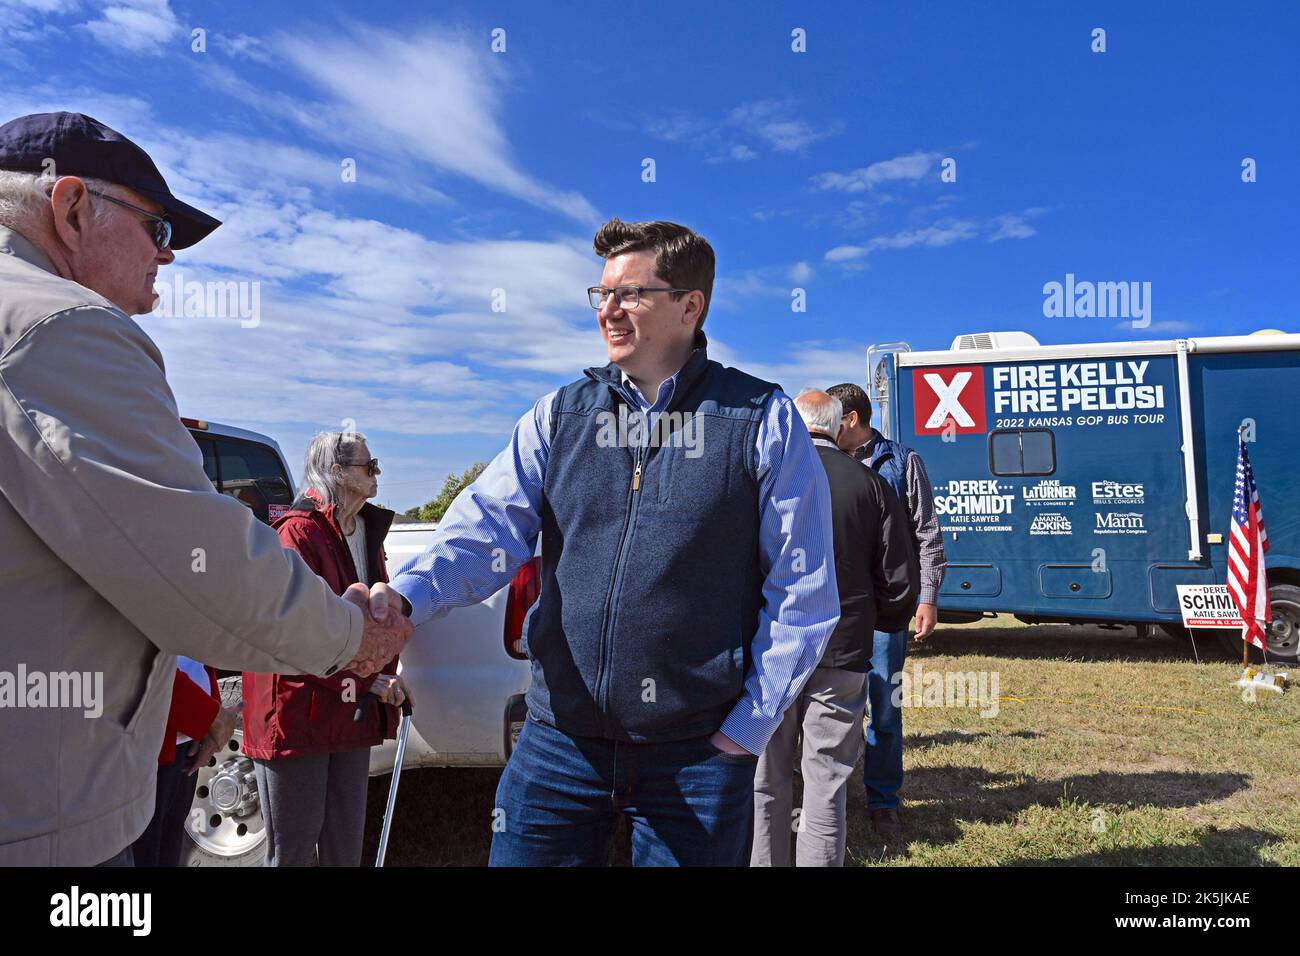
{"x":163,"y":841}
{"x":558,"y":802}
{"x":882,"y":766}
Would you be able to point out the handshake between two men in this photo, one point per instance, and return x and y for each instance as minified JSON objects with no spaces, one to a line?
{"x":386,"y":630}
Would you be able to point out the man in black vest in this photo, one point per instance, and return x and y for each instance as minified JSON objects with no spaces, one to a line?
{"x":879,"y":580}
{"x":687,"y":576}
{"x":904,"y":472}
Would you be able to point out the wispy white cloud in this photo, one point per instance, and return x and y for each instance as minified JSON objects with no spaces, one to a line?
{"x":400,"y":105}
{"x":135,"y":26}
{"x":857,"y":214}
{"x":765,"y":214}
{"x":944,"y":232}
{"x":26,"y":14}
{"x":937,"y":206}
{"x":676,"y":127}
{"x":272,"y":104}
{"x":730,"y":289}
{"x":139,"y":27}
{"x":37,"y":7}
{"x":295,"y":170}
{"x":781,"y":124}
{"x":1164,"y":325}
{"x":203,"y":164}
{"x":125,"y":113}
{"x":738,"y":152}
{"x":911,"y":167}
{"x":1011,"y":227}
{"x":243,"y":46}
{"x":433,"y":97}
{"x":24,"y":23}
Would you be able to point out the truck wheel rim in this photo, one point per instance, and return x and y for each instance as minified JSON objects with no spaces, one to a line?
{"x":226,"y":816}
{"x":1284,"y":631}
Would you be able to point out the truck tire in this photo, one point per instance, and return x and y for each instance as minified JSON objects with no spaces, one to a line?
{"x":225,"y":828}
{"x":1283,"y":633}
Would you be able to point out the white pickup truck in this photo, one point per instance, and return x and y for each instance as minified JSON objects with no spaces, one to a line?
{"x":466,"y":671}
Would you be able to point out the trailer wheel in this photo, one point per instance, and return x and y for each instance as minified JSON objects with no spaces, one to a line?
{"x":224,"y":826}
{"x":1283,"y":632}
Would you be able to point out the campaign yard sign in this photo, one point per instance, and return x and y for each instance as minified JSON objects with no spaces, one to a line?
{"x":1207,"y":605}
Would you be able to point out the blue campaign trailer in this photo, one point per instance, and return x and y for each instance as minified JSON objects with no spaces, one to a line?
{"x":1081,"y":483}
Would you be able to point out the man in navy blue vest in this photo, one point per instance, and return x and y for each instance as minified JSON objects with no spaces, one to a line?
{"x":688,"y":576}
{"x":903,"y":469}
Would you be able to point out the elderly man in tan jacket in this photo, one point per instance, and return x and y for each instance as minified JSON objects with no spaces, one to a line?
{"x":105,"y":508}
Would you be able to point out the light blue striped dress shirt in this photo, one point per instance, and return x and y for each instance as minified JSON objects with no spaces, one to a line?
{"x":494,"y":524}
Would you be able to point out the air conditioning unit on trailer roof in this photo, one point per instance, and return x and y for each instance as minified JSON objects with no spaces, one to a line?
{"x":983,"y":341}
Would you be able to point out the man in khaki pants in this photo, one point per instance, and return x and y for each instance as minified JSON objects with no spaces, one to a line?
{"x":879,"y":579}
{"x":105,"y":509}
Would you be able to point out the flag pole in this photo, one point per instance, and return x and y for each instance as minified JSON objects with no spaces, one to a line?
{"x":1245,"y":628}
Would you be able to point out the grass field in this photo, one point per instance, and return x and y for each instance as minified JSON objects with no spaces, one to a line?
{"x":1105,"y":750}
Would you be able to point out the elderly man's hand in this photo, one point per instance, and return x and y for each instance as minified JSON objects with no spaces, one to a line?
{"x":378,"y":602}
{"x":386,"y":631}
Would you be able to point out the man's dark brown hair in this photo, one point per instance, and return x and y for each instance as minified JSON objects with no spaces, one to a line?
{"x":853,"y":399}
{"x":683,"y":258}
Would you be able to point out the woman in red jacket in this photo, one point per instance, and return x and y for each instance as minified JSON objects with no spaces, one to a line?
{"x":310,"y":737}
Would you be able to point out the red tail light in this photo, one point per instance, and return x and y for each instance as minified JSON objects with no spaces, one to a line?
{"x":524,"y":591}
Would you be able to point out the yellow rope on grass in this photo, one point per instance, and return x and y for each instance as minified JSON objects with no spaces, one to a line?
{"x":1178,"y":710}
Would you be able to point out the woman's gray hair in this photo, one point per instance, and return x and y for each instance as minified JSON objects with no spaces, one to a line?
{"x":819,"y":410}
{"x":325,"y":450}
{"x":25,"y":198}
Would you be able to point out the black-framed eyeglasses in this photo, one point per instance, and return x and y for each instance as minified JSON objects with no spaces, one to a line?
{"x":371,"y":466}
{"x":629,"y":296}
{"x":162,"y":226}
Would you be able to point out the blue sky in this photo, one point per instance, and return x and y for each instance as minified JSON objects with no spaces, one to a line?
{"x":818,"y":170}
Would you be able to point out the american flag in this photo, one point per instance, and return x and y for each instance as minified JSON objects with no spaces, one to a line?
{"x":1249,"y":542}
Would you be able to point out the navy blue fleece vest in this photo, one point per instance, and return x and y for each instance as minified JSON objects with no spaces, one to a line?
{"x":889,"y":460}
{"x":650,"y":596}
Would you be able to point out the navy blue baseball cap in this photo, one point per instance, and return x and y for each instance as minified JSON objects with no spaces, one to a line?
{"x":82,"y":146}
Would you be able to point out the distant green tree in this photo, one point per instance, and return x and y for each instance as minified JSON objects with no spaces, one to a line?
{"x":454,"y":485}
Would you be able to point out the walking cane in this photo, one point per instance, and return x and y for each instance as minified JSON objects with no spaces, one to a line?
{"x":397,"y":774}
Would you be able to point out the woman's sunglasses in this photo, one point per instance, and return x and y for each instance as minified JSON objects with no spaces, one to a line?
{"x":371,"y":466}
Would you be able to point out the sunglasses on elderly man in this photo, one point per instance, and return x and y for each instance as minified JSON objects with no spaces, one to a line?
{"x":161,"y":229}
